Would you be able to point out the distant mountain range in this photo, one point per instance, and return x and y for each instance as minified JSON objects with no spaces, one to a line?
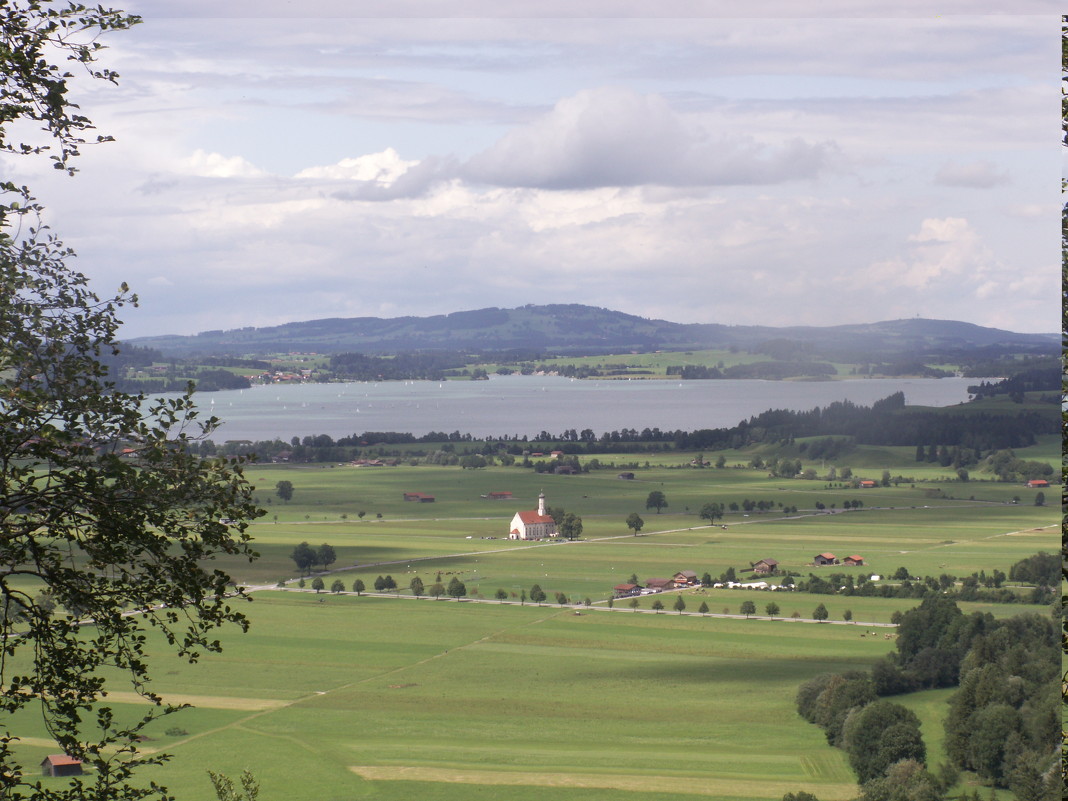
{"x":575,"y":329}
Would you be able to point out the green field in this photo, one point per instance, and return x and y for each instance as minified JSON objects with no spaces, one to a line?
{"x":392,"y":697}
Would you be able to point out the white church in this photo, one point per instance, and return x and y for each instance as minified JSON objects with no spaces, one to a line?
{"x":533,"y":525}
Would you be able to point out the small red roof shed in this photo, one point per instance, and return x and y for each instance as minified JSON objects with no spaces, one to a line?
{"x":61,"y":765}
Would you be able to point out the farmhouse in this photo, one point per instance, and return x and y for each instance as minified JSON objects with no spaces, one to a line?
{"x":625,"y":590}
{"x":685,"y":578}
{"x":61,"y":765}
{"x":659,"y":584}
{"x":866,"y":484}
{"x":766,"y":567}
{"x":1037,"y":482}
{"x":626,"y":476}
{"x":853,"y":561}
{"x":421,"y":497}
{"x":824,"y":559}
{"x":532,"y":525}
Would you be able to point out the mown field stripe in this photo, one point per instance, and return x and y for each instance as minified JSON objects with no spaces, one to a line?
{"x":701,"y":786}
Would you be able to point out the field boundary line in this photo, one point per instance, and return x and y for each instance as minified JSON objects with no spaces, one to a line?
{"x":688,"y":785}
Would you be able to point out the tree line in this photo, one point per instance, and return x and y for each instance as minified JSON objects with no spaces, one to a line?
{"x":959,"y":436}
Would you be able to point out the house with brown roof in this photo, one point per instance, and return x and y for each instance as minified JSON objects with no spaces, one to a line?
{"x":685,"y":578}
{"x":1037,"y":482}
{"x":765,"y":567}
{"x":625,"y":590}
{"x":853,"y":561}
{"x":660,"y":584}
{"x":61,"y":765}
{"x":532,"y":524}
{"x":825,"y":559}
{"x":866,"y":484}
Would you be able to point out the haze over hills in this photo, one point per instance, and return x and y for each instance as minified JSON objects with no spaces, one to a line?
{"x":575,"y":328}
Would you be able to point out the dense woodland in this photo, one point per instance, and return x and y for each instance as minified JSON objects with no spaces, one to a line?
{"x":1003,"y":723}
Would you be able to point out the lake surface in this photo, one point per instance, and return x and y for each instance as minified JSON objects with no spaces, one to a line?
{"x":518,"y":405}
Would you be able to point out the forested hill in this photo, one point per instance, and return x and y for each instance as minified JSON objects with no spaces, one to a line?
{"x":573,"y":328}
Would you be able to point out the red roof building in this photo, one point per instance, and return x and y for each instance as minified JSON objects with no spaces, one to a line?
{"x":532,"y":524}
{"x":61,"y":765}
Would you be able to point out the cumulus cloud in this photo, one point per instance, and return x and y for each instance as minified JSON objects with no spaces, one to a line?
{"x":975,"y":175}
{"x":944,"y":249}
{"x":380,"y":168}
{"x":214,"y":165}
{"x":616,"y":137}
{"x":382,"y":176}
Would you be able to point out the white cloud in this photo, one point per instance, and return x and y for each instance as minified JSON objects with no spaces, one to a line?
{"x":382,"y":168}
{"x":943,"y":250}
{"x":613,"y":136}
{"x":214,"y":165}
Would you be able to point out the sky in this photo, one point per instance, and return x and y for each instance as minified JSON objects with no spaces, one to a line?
{"x":767,"y":162}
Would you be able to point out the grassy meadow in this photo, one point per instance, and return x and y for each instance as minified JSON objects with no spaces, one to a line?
{"x":334,"y":697}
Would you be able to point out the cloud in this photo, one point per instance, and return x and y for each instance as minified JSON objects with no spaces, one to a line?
{"x":379,"y":168}
{"x":214,"y":165}
{"x":945,"y":249}
{"x":384,"y":176}
{"x":616,"y":137}
{"x":975,"y":175}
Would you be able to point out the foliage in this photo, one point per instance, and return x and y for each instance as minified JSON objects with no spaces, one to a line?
{"x":656,"y":500}
{"x":456,"y":588}
{"x":878,"y":735}
{"x":284,"y":490}
{"x":1042,"y":569}
{"x":226,"y":790}
{"x":337,"y":586}
{"x":318,"y":584}
{"x":907,"y":780}
{"x":710,"y":511}
{"x":303,"y":556}
{"x":104,"y":508}
{"x":635,"y":523}
{"x":820,"y":613}
{"x":748,"y":608}
{"x":325,"y":555}
{"x":1003,"y":720}
{"x":680,"y":604}
{"x":570,"y":526}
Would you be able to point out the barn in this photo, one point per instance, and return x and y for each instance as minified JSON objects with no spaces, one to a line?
{"x":61,"y":765}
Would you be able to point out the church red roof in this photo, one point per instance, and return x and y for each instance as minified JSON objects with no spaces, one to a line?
{"x":532,"y":516}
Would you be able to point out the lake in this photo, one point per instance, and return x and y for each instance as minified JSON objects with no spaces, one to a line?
{"x":526,"y":405}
